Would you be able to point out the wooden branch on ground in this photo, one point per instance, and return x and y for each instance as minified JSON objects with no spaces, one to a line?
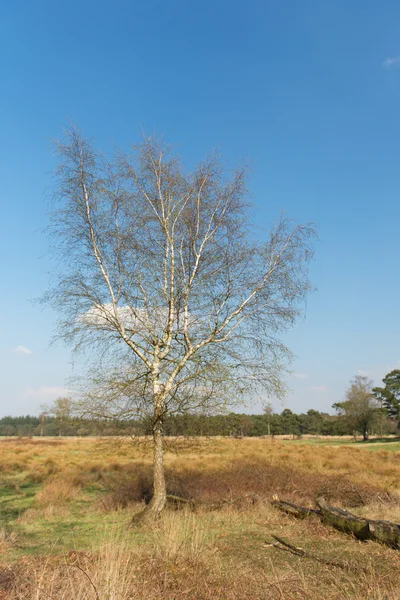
{"x":285,"y":546}
{"x":383,"y":532}
{"x":250,"y":498}
{"x":179,"y":502}
{"x":300,"y":512}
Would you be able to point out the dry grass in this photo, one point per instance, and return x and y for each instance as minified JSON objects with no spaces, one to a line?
{"x":41,"y":459}
{"x":217,"y":552}
{"x":212,"y":556}
{"x":57,"y":491}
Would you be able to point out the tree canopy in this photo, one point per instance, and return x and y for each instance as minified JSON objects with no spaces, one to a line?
{"x":360,"y":406}
{"x":162,"y":276}
{"x":389,"y":395}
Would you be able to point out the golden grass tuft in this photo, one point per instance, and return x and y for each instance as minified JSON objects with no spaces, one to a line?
{"x":182,"y":538}
{"x":57,"y":491}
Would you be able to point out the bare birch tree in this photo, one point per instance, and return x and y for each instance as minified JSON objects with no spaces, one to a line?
{"x":163,"y":277}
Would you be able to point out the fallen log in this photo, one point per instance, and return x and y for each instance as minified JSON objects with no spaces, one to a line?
{"x":383,"y":532}
{"x":343,"y":520}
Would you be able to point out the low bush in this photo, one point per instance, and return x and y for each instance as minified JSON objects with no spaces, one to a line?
{"x":127,"y":486}
{"x":57,"y":491}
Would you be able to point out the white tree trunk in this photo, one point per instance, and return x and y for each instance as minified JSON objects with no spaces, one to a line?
{"x":159,"y":499}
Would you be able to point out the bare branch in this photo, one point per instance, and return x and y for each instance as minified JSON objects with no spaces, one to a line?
{"x":161,"y":275}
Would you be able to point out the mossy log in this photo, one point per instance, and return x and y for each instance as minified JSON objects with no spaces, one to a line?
{"x":343,"y":520}
{"x":383,"y":532}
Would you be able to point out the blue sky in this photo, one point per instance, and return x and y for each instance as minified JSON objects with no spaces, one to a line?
{"x":309,"y":92}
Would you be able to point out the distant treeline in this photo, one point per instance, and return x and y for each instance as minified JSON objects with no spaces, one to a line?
{"x":232,"y":424}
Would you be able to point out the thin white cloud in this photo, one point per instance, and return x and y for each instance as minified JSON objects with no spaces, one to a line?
{"x":392,"y":61}
{"x":46,"y":393}
{"x":363,"y":373}
{"x":102,"y":317}
{"x":318,"y":389}
{"x":378,"y":372}
{"x":22,"y":350}
{"x":300,"y":375}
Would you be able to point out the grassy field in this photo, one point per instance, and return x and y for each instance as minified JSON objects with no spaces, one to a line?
{"x":390,"y":444}
{"x":66,"y":506}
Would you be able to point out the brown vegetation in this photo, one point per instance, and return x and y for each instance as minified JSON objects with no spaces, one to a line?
{"x":57,"y":491}
{"x":218,"y":551}
{"x":182,"y":557}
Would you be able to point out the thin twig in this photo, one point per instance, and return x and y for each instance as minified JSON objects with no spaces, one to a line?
{"x":287,"y":547}
{"x":88,"y":577}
